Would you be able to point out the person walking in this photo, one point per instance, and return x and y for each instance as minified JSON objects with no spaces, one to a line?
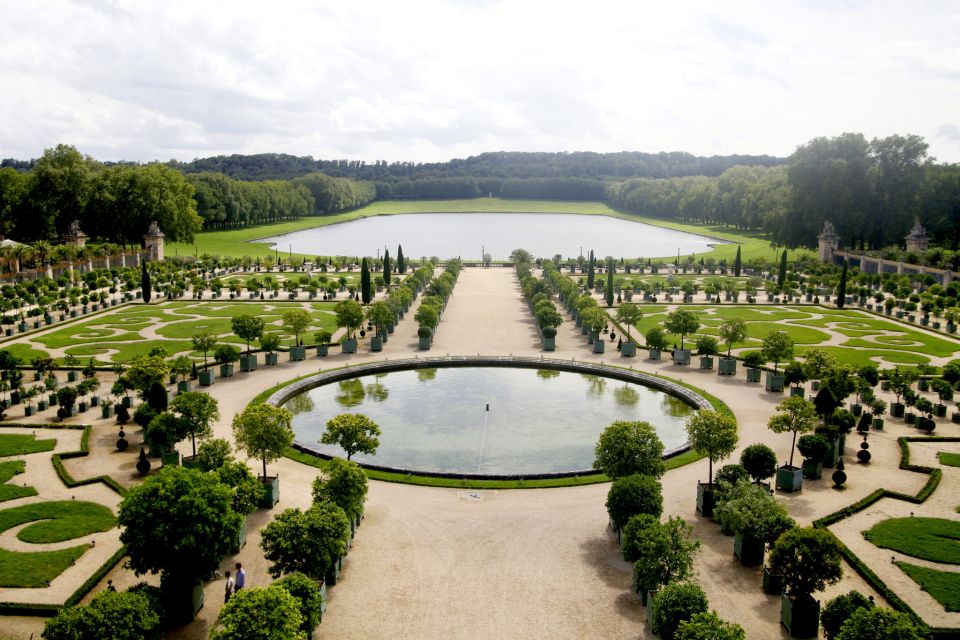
{"x":228,"y":590}
{"x":241,"y":580}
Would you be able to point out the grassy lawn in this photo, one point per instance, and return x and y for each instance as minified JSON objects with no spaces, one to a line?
{"x":949,"y":459}
{"x":24,"y":570}
{"x":57,"y":520}
{"x":18,"y":444}
{"x":944,"y":586}
{"x":237,"y":242}
{"x":933,"y":539}
{"x":8,"y":470}
{"x":136,"y":330}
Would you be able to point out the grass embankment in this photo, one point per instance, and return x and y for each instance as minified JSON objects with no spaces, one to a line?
{"x":238,"y":242}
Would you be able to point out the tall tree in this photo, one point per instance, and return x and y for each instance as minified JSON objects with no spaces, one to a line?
{"x":737,"y":263}
{"x":782,"y":272}
{"x":146,"y":287}
{"x":58,"y":191}
{"x":386,"y":267}
{"x":401,"y":263}
{"x":900,"y":162}
{"x":365,"y":293}
{"x":842,"y":287}
{"x":590,"y":272}
{"x":609,"y":290}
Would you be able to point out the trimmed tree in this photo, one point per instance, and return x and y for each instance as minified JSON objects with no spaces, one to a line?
{"x":608,"y":292}
{"x":880,"y":623}
{"x":777,"y":348}
{"x":634,"y":495}
{"x":365,"y":292}
{"x":681,"y":322}
{"x":782,"y":271}
{"x":352,"y":432}
{"x":308,"y":541}
{"x":714,"y":434}
{"x":196,"y":411}
{"x":625,"y":448}
{"x":344,"y":484}
{"x":710,"y":626}
{"x":111,"y":614}
{"x":733,"y":331}
{"x":296,"y":321}
{"x":797,"y":415}
{"x":737,"y":263}
{"x":204,"y":342}
{"x":247,"y":328}
{"x":349,"y":316}
{"x":661,"y":552}
{"x":386,"y":268}
{"x":808,"y":559}
{"x":178,"y":523}
{"x":676,"y":603}
{"x":842,"y":287}
{"x":629,"y":314}
{"x":590,"y":272}
{"x":838,"y":610}
{"x":263,"y":431}
{"x":401,"y":263}
{"x":145,"y":287}
{"x":760,"y":461}
{"x":309,"y":599}
{"x":272,"y":613}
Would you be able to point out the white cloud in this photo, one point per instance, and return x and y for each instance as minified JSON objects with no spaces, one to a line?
{"x":432,"y":80}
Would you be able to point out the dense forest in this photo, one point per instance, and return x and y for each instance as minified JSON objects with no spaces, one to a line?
{"x":872,"y":191}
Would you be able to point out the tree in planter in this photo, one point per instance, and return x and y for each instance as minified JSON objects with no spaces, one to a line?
{"x":710,"y":626}
{"x":676,"y":603}
{"x":226,"y":354}
{"x":733,"y":331}
{"x":66,"y":398}
{"x":714,"y":434}
{"x":879,"y":623}
{"x":352,"y":432}
{"x":182,"y":366}
{"x":760,"y":461}
{"x":263,"y":431}
{"x":308,"y":541}
{"x":380,"y":315}
{"x":661,"y":552}
{"x":145,"y":287}
{"x":247,"y":328}
{"x":111,"y":614}
{"x":309,"y":599}
{"x":296,"y":321}
{"x":196,"y":411}
{"x":706,"y":346}
{"x":625,"y":448}
{"x":813,"y":447}
{"x":777,"y":348}
{"x":797,"y":415}
{"x":204,"y":342}
{"x":629,"y":314}
{"x":656,"y":339}
{"x":633,"y":495}
{"x":344,"y":484}
{"x":349,"y":316}
{"x":753,"y":513}
{"x":272,"y":613}
{"x":269,"y":342}
{"x":366,"y":292}
{"x":809,"y":560}
{"x":322,"y":337}
{"x":164,"y":431}
{"x":681,"y":322}
{"x":794,"y":374}
{"x":145,"y":374}
{"x":247,"y":490}
{"x":213,"y":454}
{"x":178,"y":523}
{"x":838,"y":610}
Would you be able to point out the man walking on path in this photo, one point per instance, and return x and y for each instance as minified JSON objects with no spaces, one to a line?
{"x":241,"y":579}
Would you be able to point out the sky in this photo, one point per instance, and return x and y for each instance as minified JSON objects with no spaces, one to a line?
{"x":432,"y":80}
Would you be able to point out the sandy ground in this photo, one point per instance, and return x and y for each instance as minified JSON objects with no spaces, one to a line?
{"x":446,"y":563}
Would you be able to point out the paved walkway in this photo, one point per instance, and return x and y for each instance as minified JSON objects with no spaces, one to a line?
{"x":443,"y":563}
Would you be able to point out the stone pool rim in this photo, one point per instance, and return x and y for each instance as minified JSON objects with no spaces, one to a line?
{"x":697,"y":401}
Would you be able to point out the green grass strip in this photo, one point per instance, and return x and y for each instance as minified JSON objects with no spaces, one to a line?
{"x":944,"y":586}
{"x":933,"y":539}
{"x":9,"y":469}
{"x":37,"y":569}
{"x":19,"y":444}
{"x":57,"y":521}
{"x":949,"y":459}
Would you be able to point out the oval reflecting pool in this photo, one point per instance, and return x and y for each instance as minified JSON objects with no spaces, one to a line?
{"x":465,"y":235}
{"x":486,"y":420}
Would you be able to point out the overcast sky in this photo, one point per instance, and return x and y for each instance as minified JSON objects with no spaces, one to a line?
{"x":432,"y":80}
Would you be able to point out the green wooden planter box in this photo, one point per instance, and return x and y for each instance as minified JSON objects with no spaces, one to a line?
{"x":376,"y":344}
{"x":298,"y":353}
{"x":753,"y":375}
{"x":226,"y":371}
{"x":248,"y":362}
{"x":549,"y":344}
{"x":706,"y":362}
{"x":598,"y":346}
{"x":348,"y":346}
{"x":705,"y":499}
{"x":271,"y":494}
{"x":801,"y":617}
{"x":775,"y":382}
{"x":772,"y":583}
{"x":206,"y":377}
{"x":171,"y":458}
{"x":878,"y":422}
{"x":812,"y":470}
{"x":748,"y":549}
{"x":183,"y":387}
{"x":897,"y":409}
{"x":727,"y":367}
{"x":628,"y":349}
{"x":655,"y":354}
{"x":681,"y":356}
{"x":333,"y":573}
{"x":270,"y":359}
{"x":789,"y":479}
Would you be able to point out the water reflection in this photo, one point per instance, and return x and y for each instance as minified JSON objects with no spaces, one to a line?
{"x":546,"y":374}
{"x":350,"y":392}
{"x":426,"y":374}
{"x":597,"y":385}
{"x":300,"y":404}
{"x":626,"y":395}
{"x":674,"y":407}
